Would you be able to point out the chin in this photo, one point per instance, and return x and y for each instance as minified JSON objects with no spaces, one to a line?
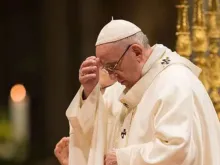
{"x":125,"y":83}
{"x":128,"y":85}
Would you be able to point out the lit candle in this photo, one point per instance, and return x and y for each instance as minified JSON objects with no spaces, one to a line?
{"x":19,"y":113}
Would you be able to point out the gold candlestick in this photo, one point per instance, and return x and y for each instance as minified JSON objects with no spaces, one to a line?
{"x":183,"y":44}
{"x":214,"y":59}
{"x":200,"y":42}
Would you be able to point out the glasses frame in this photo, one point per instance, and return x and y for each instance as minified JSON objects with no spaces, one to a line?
{"x":110,"y":69}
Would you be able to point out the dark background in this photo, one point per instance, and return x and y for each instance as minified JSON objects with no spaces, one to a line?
{"x":43,"y":43}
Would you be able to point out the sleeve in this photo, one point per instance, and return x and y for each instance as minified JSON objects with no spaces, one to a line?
{"x":82,"y":112}
{"x":172,"y":142}
{"x":82,"y":117}
{"x":77,"y":152}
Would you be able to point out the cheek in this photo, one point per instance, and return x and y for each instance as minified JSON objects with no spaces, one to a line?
{"x":130,"y":67}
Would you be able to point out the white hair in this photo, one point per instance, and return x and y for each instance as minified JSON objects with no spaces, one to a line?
{"x":139,"y":38}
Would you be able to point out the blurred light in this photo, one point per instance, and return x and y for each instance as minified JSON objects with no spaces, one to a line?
{"x":18,"y":93}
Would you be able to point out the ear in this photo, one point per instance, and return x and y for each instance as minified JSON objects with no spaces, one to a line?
{"x":138,"y":50}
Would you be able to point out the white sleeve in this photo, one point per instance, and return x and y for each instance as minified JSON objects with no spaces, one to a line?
{"x":76,"y":154}
{"x":83,"y":115}
{"x":173,"y":138}
{"x":81,"y":120}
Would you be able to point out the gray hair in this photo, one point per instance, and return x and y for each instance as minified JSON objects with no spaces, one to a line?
{"x":139,"y":38}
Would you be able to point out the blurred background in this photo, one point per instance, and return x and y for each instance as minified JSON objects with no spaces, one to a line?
{"x":43,"y":43}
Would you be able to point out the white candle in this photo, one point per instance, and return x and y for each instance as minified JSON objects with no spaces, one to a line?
{"x":19,"y":113}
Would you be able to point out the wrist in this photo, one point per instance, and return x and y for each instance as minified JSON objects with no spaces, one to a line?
{"x":84,"y":96}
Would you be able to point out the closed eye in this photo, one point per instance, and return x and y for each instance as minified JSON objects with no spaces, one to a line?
{"x":110,"y":65}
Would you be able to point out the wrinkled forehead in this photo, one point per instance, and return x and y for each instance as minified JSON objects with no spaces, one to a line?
{"x":108,"y":52}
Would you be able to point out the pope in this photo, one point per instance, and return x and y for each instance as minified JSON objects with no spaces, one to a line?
{"x":157,"y":113}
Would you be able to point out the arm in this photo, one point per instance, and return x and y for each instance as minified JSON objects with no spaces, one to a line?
{"x":81,"y":116}
{"x":83,"y":126}
{"x":172,"y":143}
{"x":83,"y":113}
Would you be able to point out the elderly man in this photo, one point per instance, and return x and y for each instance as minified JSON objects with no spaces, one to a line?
{"x":158,"y":113}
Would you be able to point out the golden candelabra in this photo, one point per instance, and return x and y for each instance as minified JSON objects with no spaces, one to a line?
{"x":183,"y":44}
{"x":203,"y":44}
{"x":214,"y":59}
{"x":200,"y":42}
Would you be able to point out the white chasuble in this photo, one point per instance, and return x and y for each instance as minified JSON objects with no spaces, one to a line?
{"x":166,"y":118}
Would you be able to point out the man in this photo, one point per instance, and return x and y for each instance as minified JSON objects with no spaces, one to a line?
{"x":162,"y":116}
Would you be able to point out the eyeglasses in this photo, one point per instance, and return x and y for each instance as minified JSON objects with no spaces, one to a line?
{"x":110,"y":69}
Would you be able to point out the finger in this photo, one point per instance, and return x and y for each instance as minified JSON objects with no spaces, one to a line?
{"x":86,"y":78}
{"x":57,"y":146}
{"x":88,"y":70}
{"x":57,"y":152}
{"x":61,"y":143}
{"x":107,"y":158}
{"x":66,"y":140}
{"x":110,"y":157}
{"x":105,"y":161}
{"x":108,"y":162}
{"x":67,"y":151}
{"x":97,"y":59}
{"x":59,"y":149}
{"x":91,"y":57}
{"x":89,"y":62}
{"x":98,"y":64}
{"x":62,"y":140}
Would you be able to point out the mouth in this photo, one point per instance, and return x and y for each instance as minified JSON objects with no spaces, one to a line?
{"x":122,"y":82}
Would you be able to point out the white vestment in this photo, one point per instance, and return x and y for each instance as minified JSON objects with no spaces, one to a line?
{"x":166,"y":118}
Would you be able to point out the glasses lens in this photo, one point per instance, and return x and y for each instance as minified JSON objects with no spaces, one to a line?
{"x":109,"y":70}
{"x":104,"y":70}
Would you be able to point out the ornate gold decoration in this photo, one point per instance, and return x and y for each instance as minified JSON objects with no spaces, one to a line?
{"x":204,"y":47}
{"x":218,"y":15}
{"x":183,"y":44}
{"x":214,"y":59}
{"x":200,"y":42}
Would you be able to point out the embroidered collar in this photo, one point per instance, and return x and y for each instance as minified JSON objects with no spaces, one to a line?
{"x":130,"y":98}
{"x":161,"y":58}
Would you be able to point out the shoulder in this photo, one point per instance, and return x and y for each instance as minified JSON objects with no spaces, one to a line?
{"x":175,"y":80}
{"x":178,"y":75}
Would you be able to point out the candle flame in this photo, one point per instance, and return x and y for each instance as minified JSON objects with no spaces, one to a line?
{"x":18,"y":92}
